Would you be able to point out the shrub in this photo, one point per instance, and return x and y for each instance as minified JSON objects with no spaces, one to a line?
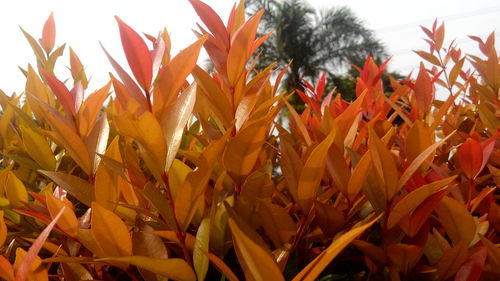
{"x":196,"y":180}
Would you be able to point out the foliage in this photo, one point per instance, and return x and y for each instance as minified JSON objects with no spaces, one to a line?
{"x":194,"y":181}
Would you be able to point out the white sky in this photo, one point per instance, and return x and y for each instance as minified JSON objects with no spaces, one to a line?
{"x":82,"y":24}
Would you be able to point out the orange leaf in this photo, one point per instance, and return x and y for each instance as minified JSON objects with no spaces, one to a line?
{"x":411,"y":201}
{"x":137,"y":54}
{"x":6,"y":269}
{"x":3,"y":229}
{"x":173,"y":76}
{"x":315,"y":267}
{"x":312,"y":173}
{"x":68,"y":221}
{"x":110,"y":232}
{"x":457,"y":221}
{"x":49,"y":34}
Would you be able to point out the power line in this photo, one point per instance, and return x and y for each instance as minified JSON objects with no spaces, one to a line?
{"x":447,"y":18}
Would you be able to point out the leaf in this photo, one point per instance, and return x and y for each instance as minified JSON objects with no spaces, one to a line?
{"x":49,"y":34}
{"x":97,"y":140}
{"x":384,"y":164}
{"x":470,"y":155}
{"x":359,"y":176}
{"x":410,"y":202}
{"x":175,"y":269}
{"x":90,"y":109}
{"x":404,"y":256}
{"x":315,"y":267}
{"x":277,"y":223}
{"x":222,"y":267}
{"x":137,"y":54}
{"x":64,"y":134}
{"x":471,"y":270}
{"x":300,"y":124}
{"x":424,"y":90}
{"x":3,"y":229}
{"x":38,"y":148}
{"x":107,"y":189}
{"x":455,"y":71}
{"x":24,"y":269}
{"x":241,"y":44}
{"x":6,"y":269}
{"x":493,"y":253}
{"x":77,"y":70}
{"x":133,"y":90}
{"x":62,"y":93}
{"x":312,"y":173}
{"x":110,"y":232}
{"x":417,"y":140}
{"x":242,"y":151}
{"x":175,"y":122}
{"x":146,"y":130}
{"x":451,"y":260}
{"x":415,"y":164}
{"x":456,"y":220}
{"x":173,"y":76}
{"x":212,"y":21}
{"x":35,"y":47}
{"x":201,"y":246}
{"x":81,"y":189}
{"x":257,"y":261}
{"x":428,"y":57}
{"x":14,"y":189}
{"x":68,"y":221}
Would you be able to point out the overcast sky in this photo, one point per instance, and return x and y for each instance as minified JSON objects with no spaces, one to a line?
{"x":82,"y":24}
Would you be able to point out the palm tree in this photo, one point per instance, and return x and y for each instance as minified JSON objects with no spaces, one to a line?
{"x":314,"y":41}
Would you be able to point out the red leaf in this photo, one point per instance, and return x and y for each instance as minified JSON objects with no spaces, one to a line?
{"x":24,"y":269}
{"x":61,"y":92}
{"x":472,"y":268}
{"x":49,"y":34}
{"x":212,"y":21}
{"x":470,"y":155}
{"x":137,"y":53}
{"x":320,"y":86}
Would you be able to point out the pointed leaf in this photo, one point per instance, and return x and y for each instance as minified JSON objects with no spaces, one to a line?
{"x":110,"y":232}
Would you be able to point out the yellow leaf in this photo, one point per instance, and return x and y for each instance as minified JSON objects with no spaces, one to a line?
{"x":175,"y":269}
{"x":38,"y":148}
{"x":312,"y":173}
{"x":242,"y":151}
{"x":200,"y":260}
{"x":457,"y":221}
{"x":68,"y":221}
{"x":411,"y":201}
{"x":177,"y":175}
{"x":3,"y":230}
{"x":146,"y":130}
{"x":384,"y":164}
{"x":257,"y":261}
{"x":107,"y":189}
{"x":110,"y":232}
{"x":14,"y":189}
{"x":314,"y":268}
